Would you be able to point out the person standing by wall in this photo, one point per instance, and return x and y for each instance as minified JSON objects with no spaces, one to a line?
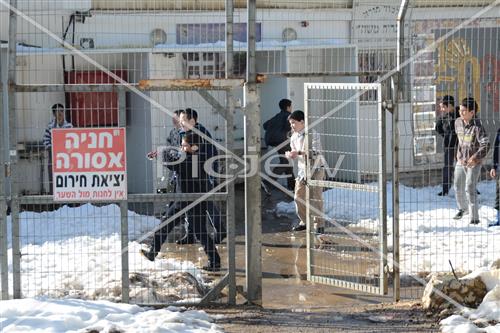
{"x":58,"y":121}
{"x":445,"y":126}
{"x":473,"y":145}
{"x":277,"y":129}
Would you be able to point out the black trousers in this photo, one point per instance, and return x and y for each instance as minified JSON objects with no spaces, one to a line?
{"x":215,"y":219}
{"x":197,"y":219}
{"x":448,"y":169}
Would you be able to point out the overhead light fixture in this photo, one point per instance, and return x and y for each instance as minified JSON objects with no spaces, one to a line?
{"x":158,"y":36}
{"x":288,"y":34}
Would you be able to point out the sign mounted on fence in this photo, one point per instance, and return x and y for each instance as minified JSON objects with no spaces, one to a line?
{"x":89,"y":164}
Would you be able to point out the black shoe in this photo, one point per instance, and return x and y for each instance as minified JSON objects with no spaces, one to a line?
{"x":443,"y":193}
{"x":299,"y":227}
{"x":474,"y":222}
{"x":212,"y":267}
{"x":477,"y":192}
{"x":186,"y":240}
{"x":320,"y":230}
{"x":459,"y":214}
{"x":150,"y":255}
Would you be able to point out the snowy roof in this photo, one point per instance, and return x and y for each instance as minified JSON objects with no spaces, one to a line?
{"x":267,"y":45}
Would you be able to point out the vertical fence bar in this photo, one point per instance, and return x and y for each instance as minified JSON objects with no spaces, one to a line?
{"x":309,"y":239}
{"x":12,"y":170}
{"x":382,"y":192}
{"x":4,"y":263}
{"x":230,"y":202}
{"x":231,"y":232}
{"x":395,"y":198}
{"x":397,"y":91}
{"x":229,"y":38}
{"x":124,"y":211}
{"x":253,"y":218}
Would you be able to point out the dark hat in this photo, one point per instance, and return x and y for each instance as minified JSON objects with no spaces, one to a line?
{"x":448,"y":100}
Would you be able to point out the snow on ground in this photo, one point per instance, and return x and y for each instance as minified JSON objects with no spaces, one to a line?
{"x":429,"y":236}
{"x":76,"y":252}
{"x":74,"y":315}
{"x":486,"y":317}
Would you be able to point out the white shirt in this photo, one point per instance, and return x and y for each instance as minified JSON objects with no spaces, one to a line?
{"x":297,"y":143}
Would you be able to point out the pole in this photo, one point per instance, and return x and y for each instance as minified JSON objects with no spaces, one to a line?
{"x":253,"y":219}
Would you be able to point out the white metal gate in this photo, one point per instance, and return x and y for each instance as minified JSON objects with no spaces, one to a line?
{"x":349,"y":121}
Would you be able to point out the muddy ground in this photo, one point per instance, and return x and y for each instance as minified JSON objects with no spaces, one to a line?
{"x":400,"y":317}
{"x":293,"y":304}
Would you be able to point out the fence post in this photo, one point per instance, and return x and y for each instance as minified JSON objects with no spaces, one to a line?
{"x":382,"y":189}
{"x":396,"y":86}
{"x":4,"y":264}
{"x":230,"y":202}
{"x":253,"y":218}
{"x":12,"y":163}
{"x":124,"y":210}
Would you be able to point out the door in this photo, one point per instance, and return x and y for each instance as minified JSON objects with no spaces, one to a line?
{"x":345,"y":141}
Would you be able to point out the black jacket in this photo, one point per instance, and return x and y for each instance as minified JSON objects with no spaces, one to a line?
{"x":277,"y":129}
{"x":445,"y":126}
{"x":190,"y":169}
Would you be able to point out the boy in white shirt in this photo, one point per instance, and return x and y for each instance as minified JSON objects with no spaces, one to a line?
{"x":317,"y":172}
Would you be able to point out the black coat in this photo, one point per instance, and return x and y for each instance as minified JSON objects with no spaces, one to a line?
{"x":190,"y":169}
{"x":445,"y":126}
{"x":277,"y":129}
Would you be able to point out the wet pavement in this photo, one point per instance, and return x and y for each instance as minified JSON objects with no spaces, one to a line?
{"x":284,"y":264}
{"x":290,"y":302}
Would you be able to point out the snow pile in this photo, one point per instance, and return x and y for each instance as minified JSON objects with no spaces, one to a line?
{"x":73,"y":315}
{"x":76,"y":252}
{"x":429,"y":236}
{"x":86,"y":220}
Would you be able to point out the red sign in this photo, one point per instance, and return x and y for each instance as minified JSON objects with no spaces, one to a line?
{"x":89,"y":164}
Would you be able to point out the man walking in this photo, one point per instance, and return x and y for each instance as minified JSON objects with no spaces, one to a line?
{"x":473,"y":145}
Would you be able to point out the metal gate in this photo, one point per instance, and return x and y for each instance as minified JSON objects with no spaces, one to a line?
{"x":349,"y":121}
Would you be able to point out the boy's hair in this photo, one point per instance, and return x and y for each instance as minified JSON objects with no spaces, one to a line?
{"x":56,"y":107}
{"x":470,"y":103}
{"x":448,"y":100}
{"x":296,"y":115}
{"x":178,"y":112}
{"x":284,"y":103}
{"x":190,"y":114}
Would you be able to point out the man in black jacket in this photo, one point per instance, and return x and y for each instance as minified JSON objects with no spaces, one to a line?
{"x":192,"y":179}
{"x":277,"y":130}
{"x":445,"y":126}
